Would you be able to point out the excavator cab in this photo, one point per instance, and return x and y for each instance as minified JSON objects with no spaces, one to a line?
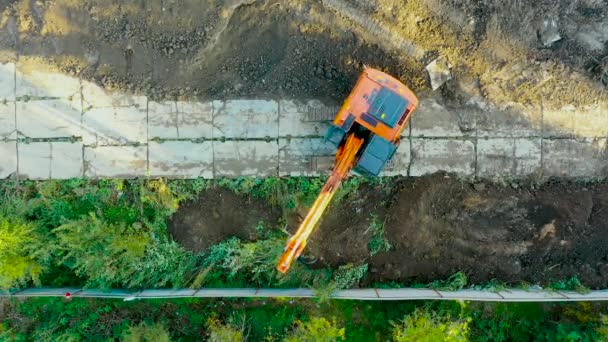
{"x":378,"y":110}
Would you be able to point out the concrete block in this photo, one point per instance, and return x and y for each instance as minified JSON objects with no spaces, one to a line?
{"x":305,"y":118}
{"x":297,"y":156}
{"x":515,"y":295}
{"x":597,"y":295}
{"x":37,"y":83}
{"x":115,"y":126}
{"x":8,"y":162}
{"x":245,"y":158}
{"x":115,"y":161}
{"x":115,"y":293}
{"x":508,"y":156}
{"x":450,"y":155}
{"x":399,"y":164}
{"x":180,"y":120}
{"x":571,"y":122}
{"x":245,"y":119}
{"x":7,"y":82}
{"x":226,"y":293}
{"x":407,"y":293}
{"x":361,"y":294}
{"x":94,"y":96}
{"x":48,"y":119}
{"x":183,"y":159}
{"x":47,"y":292}
{"x":291,"y":293}
{"x":512,"y":120}
{"x":434,"y":120}
{"x":164,"y":293}
{"x":575,"y":157}
{"x":467,"y":294}
{"x":35,"y":160}
{"x":66,"y":160}
{"x":8,"y":127}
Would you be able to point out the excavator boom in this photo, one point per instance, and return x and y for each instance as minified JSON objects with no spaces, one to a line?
{"x":345,"y":160}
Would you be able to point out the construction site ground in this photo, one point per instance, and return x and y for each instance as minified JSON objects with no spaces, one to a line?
{"x":100,"y":87}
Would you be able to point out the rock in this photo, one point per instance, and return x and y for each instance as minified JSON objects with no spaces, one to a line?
{"x":479,"y":187}
{"x":439,"y":72}
{"x":549,"y":32}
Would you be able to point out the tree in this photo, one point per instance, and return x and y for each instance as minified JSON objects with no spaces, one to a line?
{"x":316,"y":330}
{"x":422,"y":325}
{"x":20,"y":252}
{"x":106,"y":254}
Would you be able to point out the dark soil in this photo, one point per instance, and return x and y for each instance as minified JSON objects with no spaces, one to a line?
{"x":218,"y":215}
{"x":438,"y":226}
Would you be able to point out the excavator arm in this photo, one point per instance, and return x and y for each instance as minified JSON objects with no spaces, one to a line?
{"x":345,"y":160}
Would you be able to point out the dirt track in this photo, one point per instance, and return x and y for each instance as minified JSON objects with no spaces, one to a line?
{"x":438,"y":226}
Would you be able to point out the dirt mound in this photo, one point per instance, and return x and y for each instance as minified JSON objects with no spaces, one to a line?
{"x":217,"y":215}
{"x":437,"y":226}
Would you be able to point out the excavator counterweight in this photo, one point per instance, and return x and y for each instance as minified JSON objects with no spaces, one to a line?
{"x":367,"y":132}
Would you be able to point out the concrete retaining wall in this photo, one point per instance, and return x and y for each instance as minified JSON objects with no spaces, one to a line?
{"x":55,"y":126}
{"x":509,"y":295}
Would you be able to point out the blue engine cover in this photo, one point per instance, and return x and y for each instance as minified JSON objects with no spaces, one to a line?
{"x":376,"y":153}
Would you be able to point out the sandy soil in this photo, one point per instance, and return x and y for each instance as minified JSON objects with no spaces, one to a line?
{"x":519,"y":232}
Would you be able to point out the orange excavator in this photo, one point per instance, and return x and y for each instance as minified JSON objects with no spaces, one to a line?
{"x":367,"y":132}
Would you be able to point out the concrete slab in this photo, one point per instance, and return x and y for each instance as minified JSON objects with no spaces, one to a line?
{"x":7,"y":82}
{"x":226,"y":293}
{"x":400,"y":163}
{"x":180,"y":120}
{"x":8,"y":127}
{"x":291,"y":293}
{"x":361,"y":294}
{"x":164,"y":293}
{"x":48,"y":119}
{"x":35,"y":160}
{"x":245,"y":119}
{"x":181,"y":159}
{"x":450,"y":155}
{"x":8,"y":162}
{"x":297,"y":156}
{"x":305,"y":118}
{"x":66,"y":160}
{"x":571,"y":122}
{"x":407,"y":293}
{"x":94,"y":96}
{"x":575,"y":157}
{"x":47,"y":292}
{"x":591,"y":296}
{"x":94,"y":293}
{"x":467,"y":294}
{"x":245,"y":158}
{"x":434,"y":120}
{"x":512,"y":120}
{"x":115,"y":161}
{"x":508,"y":156}
{"x":515,"y":295}
{"x":38,"y":83}
{"x":115,"y":126}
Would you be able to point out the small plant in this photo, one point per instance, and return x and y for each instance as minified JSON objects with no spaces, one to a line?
{"x":456,"y":281}
{"x":349,"y":275}
{"x":572,"y":284}
{"x":426,"y":326}
{"x":316,"y":330}
{"x":378,"y":243}
{"x":147,"y":333}
{"x":219,"y":332}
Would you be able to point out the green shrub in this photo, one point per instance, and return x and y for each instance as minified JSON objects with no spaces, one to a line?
{"x":425,"y":326}
{"x":349,"y":275}
{"x":378,"y":243}
{"x":147,"y":333}
{"x":21,"y":251}
{"x":316,"y":330}
{"x":456,"y":281}
{"x":219,"y":332}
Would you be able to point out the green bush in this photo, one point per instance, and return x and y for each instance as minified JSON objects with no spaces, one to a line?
{"x":219,"y":332}
{"x":22,"y":250}
{"x":349,"y":275}
{"x":316,"y":330}
{"x":425,"y":326}
{"x":378,"y":243}
{"x":147,"y":333}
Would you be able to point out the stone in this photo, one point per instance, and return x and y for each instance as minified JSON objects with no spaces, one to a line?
{"x":181,"y":159}
{"x":8,"y":162}
{"x":40,"y":83}
{"x":115,"y":161}
{"x":508,"y":156}
{"x":66,"y":160}
{"x":549,"y":32}
{"x":511,"y":120}
{"x":575,"y":157}
{"x":115,"y":126}
{"x":7,"y":82}
{"x":439,"y":72}
{"x":48,"y":119}
{"x":572,"y":122}
{"x":298,"y":156}
{"x":305,"y":119}
{"x":245,"y":158}
{"x":449,"y":155}
{"x":35,"y":160}
{"x":434,"y":120}
{"x":8,"y":127}
{"x":245,"y":119}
